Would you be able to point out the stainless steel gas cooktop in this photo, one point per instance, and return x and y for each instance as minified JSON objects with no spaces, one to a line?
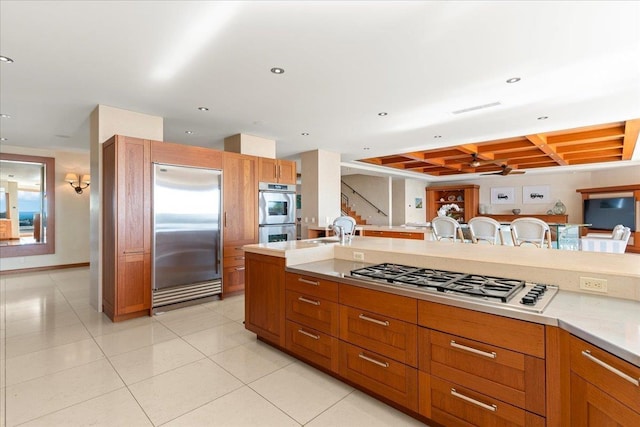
{"x":513,"y":293}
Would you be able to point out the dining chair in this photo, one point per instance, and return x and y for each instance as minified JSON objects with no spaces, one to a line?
{"x":484,"y":229}
{"x":446,"y":228}
{"x":615,"y":243}
{"x":529,"y":230}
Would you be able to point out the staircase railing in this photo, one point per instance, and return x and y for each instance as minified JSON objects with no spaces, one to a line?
{"x":344,"y":201}
{"x":380,"y":211}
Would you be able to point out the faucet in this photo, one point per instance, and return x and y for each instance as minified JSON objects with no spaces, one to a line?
{"x":342,"y":235}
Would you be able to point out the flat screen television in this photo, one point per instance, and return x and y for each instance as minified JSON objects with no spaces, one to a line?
{"x":607,"y":213}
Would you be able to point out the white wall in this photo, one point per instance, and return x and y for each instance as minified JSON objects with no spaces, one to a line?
{"x":71,"y":212}
{"x":376,"y":190}
{"x":405,"y":193}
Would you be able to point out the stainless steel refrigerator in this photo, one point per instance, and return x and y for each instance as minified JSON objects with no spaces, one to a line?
{"x":186,"y":234}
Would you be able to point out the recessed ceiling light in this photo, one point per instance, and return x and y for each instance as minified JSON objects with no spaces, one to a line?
{"x":437,"y":136}
{"x":304,"y":134}
{"x":6,"y":59}
{"x":366,"y":148}
{"x":277,"y":70}
{"x":189,"y":132}
{"x":513,"y":80}
{"x":4,"y":139}
{"x":203,"y":109}
{"x":5,"y":116}
{"x":543,"y":117}
{"x":383,"y":114}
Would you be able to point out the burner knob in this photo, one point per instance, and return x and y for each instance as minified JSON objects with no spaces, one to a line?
{"x":538,"y":292}
{"x":528,"y":300}
{"x":543,"y":287}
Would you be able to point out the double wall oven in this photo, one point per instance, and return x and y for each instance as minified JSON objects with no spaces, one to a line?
{"x":277,"y":212}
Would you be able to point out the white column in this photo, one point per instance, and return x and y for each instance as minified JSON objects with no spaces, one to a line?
{"x":320,"y":188}
{"x":104,"y":122}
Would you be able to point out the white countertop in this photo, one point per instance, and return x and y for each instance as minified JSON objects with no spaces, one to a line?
{"x":611,"y":321}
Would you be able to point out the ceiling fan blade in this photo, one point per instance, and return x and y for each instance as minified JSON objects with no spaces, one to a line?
{"x":475,"y":161}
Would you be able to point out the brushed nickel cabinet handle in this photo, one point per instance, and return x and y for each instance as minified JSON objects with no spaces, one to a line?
{"x":374,"y":361}
{"x":239,"y":258}
{"x":492,"y":355}
{"x":491,"y":408}
{"x":308,"y":301}
{"x":308,"y":282}
{"x":588,"y":355}
{"x":225,"y":219}
{"x":376,"y":321}
{"x":310,"y":335}
{"x":239,"y":268}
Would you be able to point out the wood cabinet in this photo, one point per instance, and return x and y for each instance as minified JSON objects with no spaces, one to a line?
{"x":466,"y":197}
{"x":312,"y":320}
{"x":480,"y":368}
{"x":126,"y":282}
{"x":265,"y":298}
{"x":378,"y":343}
{"x":240,"y":217}
{"x":5,"y":229}
{"x":276,"y":170}
{"x":414,"y":235}
{"x":604,"y":388}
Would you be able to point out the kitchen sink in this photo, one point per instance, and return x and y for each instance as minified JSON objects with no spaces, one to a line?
{"x":323,"y":241}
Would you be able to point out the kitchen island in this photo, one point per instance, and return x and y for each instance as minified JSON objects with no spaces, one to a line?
{"x":411,"y":348}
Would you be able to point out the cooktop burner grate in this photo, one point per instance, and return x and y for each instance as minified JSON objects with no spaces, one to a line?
{"x":487,"y":287}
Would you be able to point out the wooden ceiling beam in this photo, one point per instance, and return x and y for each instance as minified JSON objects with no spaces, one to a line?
{"x":594,"y":155}
{"x":540,"y":141}
{"x":502,"y":147}
{"x":588,"y":136}
{"x":600,"y":160}
{"x":592,"y":146}
{"x":631,"y":131}
{"x":393,"y":160}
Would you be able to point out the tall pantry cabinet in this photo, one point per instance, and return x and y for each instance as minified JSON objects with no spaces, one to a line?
{"x":126,"y":270}
{"x":240,"y":218}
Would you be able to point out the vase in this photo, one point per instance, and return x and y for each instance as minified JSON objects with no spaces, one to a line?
{"x":559,"y":208}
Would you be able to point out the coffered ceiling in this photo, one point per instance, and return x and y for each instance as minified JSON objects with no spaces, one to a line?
{"x":611,"y":142}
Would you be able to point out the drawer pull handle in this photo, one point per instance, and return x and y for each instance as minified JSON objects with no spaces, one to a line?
{"x":303,"y":332}
{"x":374,"y":361}
{"x":308,"y":282}
{"x":491,"y":408}
{"x":239,"y":268}
{"x":492,"y":355}
{"x":587,"y":354}
{"x":239,"y":258}
{"x":308,"y":301}
{"x":376,"y":321}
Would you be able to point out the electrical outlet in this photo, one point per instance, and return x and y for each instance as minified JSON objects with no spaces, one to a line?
{"x":593,"y":284}
{"x":358,"y":256}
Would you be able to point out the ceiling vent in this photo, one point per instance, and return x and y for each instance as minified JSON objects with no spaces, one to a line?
{"x":477,"y":107}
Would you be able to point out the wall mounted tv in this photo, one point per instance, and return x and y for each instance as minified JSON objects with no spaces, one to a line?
{"x":607,"y":213}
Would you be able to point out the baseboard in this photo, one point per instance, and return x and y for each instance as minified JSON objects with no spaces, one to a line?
{"x":48,"y":267}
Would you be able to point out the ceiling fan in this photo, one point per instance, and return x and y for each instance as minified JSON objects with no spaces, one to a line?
{"x":475,"y":161}
{"x":506,"y":170}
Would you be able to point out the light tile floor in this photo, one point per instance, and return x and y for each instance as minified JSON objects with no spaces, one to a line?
{"x":64,"y":364}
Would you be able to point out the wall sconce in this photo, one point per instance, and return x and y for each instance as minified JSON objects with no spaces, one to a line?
{"x":78,"y":182}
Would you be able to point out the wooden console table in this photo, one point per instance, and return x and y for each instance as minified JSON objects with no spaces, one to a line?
{"x":563,"y":219}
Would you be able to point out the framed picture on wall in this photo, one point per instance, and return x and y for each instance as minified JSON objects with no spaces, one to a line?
{"x":502,"y":196}
{"x":418,"y":202}
{"x":535,"y":194}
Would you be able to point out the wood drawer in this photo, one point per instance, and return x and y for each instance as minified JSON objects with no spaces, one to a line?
{"x":232,"y":279}
{"x":512,"y":334}
{"x":233,"y":251}
{"x":316,"y":313}
{"x":385,"y":304}
{"x":509,"y":376}
{"x":233,"y":261}
{"x":312,"y":286}
{"x":453,"y":405}
{"x":381,"y":375}
{"x":394,"y":234}
{"x":312,"y":345}
{"x":587,"y":361}
{"x":382,"y":334}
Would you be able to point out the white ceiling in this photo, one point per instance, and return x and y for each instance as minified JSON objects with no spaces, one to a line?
{"x":345,"y":62}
